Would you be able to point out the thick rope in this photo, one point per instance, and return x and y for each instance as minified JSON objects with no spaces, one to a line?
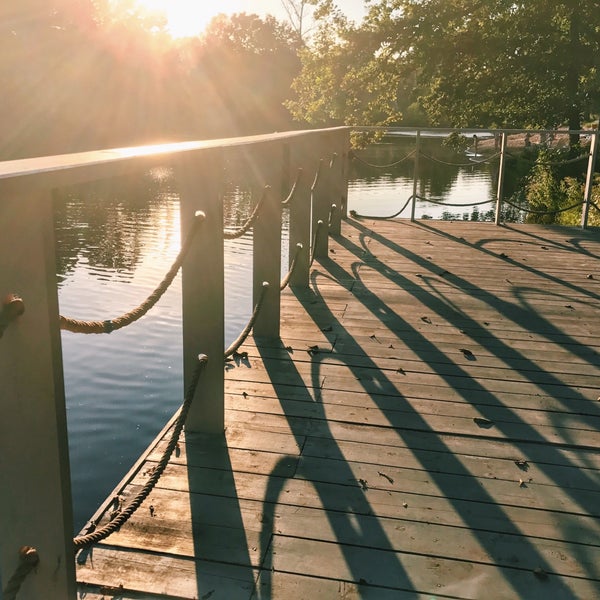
{"x":12,"y":307}
{"x":286,"y":280}
{"x":28,"y":559}
{"x":543,"y":212}
{"x":235,"y":346}
{"x":386,"y":166}
{"x":98,"y":535}
{"x":451,"y":164}
{"x":354,"y":214}
{"x":238,"y":233}
{"x":137,"y":313}
{"x":292,"y":193}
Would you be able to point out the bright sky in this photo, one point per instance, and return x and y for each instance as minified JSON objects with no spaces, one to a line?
{"x":190,"y":17}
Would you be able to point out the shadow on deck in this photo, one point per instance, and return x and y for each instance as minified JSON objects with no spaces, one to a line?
{"x":427,"y":427}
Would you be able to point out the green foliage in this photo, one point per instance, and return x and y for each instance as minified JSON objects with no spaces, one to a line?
{"x":461,"y":63}
{"x":550,"y":188}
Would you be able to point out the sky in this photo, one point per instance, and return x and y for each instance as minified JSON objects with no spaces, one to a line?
{"x":189,"y":17}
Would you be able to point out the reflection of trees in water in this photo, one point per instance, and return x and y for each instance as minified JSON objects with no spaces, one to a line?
{"x":435,"y":179}
{"x":103,"y":224}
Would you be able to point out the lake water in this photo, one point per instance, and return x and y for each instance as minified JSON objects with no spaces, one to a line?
{"x":114,"y":245}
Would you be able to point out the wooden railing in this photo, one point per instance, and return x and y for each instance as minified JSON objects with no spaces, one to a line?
{"x":35,"y":493}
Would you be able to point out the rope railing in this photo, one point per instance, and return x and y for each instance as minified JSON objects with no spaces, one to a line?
{"x":354,"y":156}
{"x":556,"y":163}
{"x":238,"y":233}
{"x":237,"y":343}
{"x":292,"y":193}
{"x":357,"y":215}
{"x":286,"y":280}
{"x":28,"y":560}
{"x":543,"y":212}
{"x":110,"y":325}
{"x":125,"y":514}
{"x":454,"y":204}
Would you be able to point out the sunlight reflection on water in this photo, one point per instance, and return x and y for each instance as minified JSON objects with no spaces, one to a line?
{"x":122,"y":388}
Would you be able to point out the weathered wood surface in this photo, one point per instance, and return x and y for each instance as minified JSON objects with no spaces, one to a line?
{"x":427,"y":426}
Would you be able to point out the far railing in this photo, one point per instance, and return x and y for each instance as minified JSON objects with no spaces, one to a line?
{"x":306,"y":171}
{"x":499,"y":155}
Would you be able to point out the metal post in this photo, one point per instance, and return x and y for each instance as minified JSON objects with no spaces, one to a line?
{"x":501,"y":167}
{"x":589,"y":181}
{"x":199,"y":177}
{"x":35,"y":488}
{"x":416,"y":176}
{"x":267,"y":164}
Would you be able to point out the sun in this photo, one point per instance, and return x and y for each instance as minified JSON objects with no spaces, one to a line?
{"x":187,"y":18}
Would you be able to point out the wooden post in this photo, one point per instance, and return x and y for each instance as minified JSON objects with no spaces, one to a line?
{"x":501,"y":167}
{"x":415,"y":176}
{"x":199,"y":178}
{"x":35,"y":489}
{"x":589,"y":181}
{"x":339,"y":183}
{"x":267,"y":164}
{"x":323,"y":194}
{"x":302,"y":157}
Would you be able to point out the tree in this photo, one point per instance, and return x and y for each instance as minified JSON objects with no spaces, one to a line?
{"x":298,"y":11}
{"x":471,"y":63}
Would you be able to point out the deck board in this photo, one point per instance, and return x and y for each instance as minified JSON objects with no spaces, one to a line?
{"x":427,"y":426}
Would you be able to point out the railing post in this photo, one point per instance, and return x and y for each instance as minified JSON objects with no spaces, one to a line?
{"x":35,"y":489}
{"x":323,"y":194}
{"x":501,"y":167}
{"x":589,"y":181}
{"x":415,"y":176}
{"x":302,"y":157}
{"x":199,"y":177}
{"x":340,"y":180}
{"x":268,"y":163}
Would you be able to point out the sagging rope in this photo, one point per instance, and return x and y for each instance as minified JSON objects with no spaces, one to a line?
{"x":28,"y":560}
{"x":387,"y":166}
{"x":543,"y":212}
{"x":123,"y":516}
{"x":318,"y":172}
{"x":137,"y":313}
{"x":355,"y":215}
{"x":451,"y":164}
{"x":292,"y":193}
{"x":454,"y":205}
{"x":286,"y":280}
{"x":238,"y":233}
{"x":236,"y":344}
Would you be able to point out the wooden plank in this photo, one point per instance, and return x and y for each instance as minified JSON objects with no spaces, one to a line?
{"x":420,"y":573}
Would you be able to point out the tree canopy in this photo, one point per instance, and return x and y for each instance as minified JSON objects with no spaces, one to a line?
{"x":466,"y":62}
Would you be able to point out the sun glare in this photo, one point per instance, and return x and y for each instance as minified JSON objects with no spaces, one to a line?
{"x":190,"y":17}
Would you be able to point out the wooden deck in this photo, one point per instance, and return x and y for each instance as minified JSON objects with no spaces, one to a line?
{"x":428,"y":427}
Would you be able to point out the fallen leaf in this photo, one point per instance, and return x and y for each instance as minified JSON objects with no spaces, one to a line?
{"x":590,"y":276}
{"x":426,"y":320}
{"x":569,"y":306}
{"x":483,"y":423}
{"x":468,"y":354}
{"x":245,"y":394}
{"x":328,"y":328}
{"x":522,"y":484}
{"x":522,"y":464}
{"x":385,"y":476}
{"x":401,"y":371}
{"x":363,"y":484}
{"x":540,"y":573}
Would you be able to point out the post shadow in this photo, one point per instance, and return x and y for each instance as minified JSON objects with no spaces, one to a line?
{"x":471,"y":486}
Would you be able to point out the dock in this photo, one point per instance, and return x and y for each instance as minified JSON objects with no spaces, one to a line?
{"x":426,"y":427}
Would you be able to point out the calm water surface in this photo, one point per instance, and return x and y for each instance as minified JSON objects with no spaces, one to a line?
{"x":115,"y":244}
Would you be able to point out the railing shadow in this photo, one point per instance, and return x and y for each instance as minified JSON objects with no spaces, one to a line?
{"x":531,"y":444}
{"x":217,"y":523}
